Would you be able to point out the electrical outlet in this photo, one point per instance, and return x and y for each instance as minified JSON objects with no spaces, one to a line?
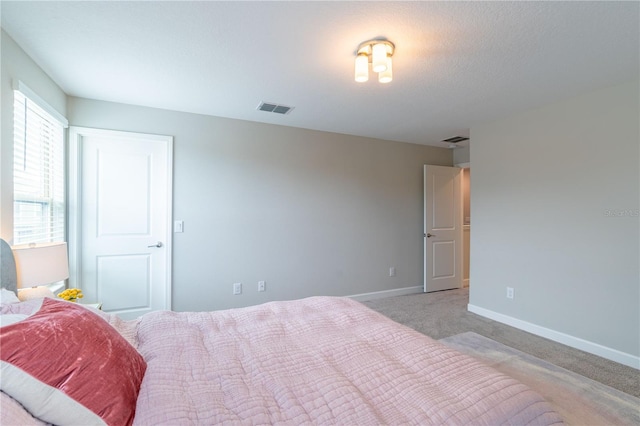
{"x":261,"y":286}
{"x":392,"y":271}
{"x":510,"y":293}
{"x":237,"y":288}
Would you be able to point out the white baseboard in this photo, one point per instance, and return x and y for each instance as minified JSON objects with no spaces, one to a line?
{"x":386,"y":293}
{"x":566,"y":339}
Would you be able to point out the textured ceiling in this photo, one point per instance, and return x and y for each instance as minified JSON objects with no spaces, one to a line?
{"x":456,"y":63}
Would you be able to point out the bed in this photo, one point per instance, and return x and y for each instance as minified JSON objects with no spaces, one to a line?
{"x":319,"y":360}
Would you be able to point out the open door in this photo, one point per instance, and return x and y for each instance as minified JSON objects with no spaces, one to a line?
{"x":442,"y":228}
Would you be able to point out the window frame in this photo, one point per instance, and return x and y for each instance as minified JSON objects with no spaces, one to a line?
{"x":49,"y":194}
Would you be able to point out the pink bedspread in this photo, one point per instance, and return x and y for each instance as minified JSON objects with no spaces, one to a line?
{"x":320,"y":360}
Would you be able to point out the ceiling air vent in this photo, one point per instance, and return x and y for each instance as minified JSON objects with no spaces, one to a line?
{"x":456,"y":139}
{"x":275,"y":108}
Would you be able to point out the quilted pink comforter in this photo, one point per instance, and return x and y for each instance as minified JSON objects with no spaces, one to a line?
{"x":320,"y":360}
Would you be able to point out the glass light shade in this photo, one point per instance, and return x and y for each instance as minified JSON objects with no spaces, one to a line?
{"x":387,"y":75}
{"x":41,"y":264}
{"x":362,"y":68}
{"x":379,"y":57}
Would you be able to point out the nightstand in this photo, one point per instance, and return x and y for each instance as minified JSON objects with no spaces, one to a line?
{"x":93,"y":305}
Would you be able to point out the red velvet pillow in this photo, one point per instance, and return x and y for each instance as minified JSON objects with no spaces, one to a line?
{"x":66,"y":365}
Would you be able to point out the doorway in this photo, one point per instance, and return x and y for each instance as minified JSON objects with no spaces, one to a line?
{"x":447,"y":209}
{"x":466,"y":224}
{"x":442,"y":228}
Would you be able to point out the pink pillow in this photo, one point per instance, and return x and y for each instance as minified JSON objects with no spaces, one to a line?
{"x":66,"y":365}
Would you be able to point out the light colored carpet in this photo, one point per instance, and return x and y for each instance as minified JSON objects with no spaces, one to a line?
{"x":444,"y":314}
{"x":579,"y":400}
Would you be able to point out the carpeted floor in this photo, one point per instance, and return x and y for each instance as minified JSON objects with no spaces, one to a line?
{"x":444,"y":314}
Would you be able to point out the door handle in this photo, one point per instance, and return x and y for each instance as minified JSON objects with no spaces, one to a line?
{"x":158,"y":244}
{"x":430,"y":235}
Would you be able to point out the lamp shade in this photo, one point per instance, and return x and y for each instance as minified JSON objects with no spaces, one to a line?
{"x":41,"y":264}
{"x":379,"y":57}
{"x":387,"y":75}
{"x":362,"y":68}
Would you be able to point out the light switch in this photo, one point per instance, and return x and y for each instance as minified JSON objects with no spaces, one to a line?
{"x":178,"y":226}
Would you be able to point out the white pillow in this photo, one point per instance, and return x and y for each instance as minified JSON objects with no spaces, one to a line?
{"x":7,"y":296}
{"x":9,"y":319}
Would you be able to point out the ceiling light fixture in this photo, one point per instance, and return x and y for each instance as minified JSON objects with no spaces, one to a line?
{"x":378,"y":53}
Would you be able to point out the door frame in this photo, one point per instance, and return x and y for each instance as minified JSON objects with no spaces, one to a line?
{"x":76,"y":134}
{"x":466,"y":282}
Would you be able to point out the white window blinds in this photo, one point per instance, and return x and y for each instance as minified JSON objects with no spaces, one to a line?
{"x":38,"y":174}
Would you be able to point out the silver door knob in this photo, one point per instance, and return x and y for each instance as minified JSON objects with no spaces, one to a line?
{"x":430,"y":235}
{"x":158,"y":244}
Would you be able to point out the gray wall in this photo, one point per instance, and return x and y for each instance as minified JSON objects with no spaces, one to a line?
{"x":461,"y":155}
{"x":318,"y":213}
{"x":555,"y":215}
{"x":311,"y":213}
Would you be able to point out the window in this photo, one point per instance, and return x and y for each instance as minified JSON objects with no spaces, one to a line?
{"x":38,"y":171}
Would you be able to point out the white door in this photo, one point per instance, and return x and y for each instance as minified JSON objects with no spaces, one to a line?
{"x":442,"y":228}
{"x":120,"y":219}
